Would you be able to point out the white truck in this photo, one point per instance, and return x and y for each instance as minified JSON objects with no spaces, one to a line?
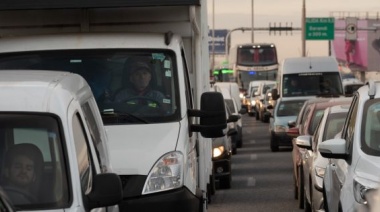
{"x":161,"y":150}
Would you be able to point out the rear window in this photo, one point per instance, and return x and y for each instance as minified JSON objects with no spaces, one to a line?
{"x":289,"y":108}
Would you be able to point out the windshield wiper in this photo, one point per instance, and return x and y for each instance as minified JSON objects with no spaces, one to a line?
{"x":111,"y":113}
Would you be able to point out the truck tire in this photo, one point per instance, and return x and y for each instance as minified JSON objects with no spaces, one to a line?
{"x":225,"y":182}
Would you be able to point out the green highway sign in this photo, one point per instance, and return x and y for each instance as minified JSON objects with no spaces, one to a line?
{"x":319,"y":29}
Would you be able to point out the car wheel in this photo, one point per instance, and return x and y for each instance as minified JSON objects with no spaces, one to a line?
{"x":307,"y":206}
{"x":234,"y":150}
{"x":295,"y":187}
{"x":325,"y":205}
{"x":225,"y":182}
{"x":273,"y":145}
{"x":301,"y":194}
{"x":257,"y":115}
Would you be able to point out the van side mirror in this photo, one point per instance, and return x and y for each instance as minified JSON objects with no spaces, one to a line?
{"x":212,"y":115}
{"x":106,"y":191}
{"x":274,"y":94}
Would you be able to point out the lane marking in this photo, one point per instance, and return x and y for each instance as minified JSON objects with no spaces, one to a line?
{"x":251,"y":181}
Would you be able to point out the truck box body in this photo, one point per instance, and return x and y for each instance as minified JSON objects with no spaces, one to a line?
{"x":100,"y":37}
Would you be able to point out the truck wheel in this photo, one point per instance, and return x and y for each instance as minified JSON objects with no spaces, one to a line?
{"x":225,"y":182}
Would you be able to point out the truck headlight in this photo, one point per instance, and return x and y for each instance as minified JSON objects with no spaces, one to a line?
{"x":166,"y":174}
{"x":218,"y":151}
{"x":360,"y":189}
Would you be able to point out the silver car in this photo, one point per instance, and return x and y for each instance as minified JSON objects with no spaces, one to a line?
{"x":313,"y":163}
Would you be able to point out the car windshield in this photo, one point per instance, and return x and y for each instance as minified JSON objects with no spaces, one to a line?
{"x":289,"y":108}
{"x":334,"y":124}
{"x":33,"y":141}
{"x":140,"y":83}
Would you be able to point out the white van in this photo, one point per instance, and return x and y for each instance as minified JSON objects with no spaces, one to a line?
{"x":309,"y":76}
{"x":50,"y":123}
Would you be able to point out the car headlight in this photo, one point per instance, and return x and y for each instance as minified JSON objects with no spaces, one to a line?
{"x":319,"y":171}
{"x":218,"y":151}
{"x":166,"y":174}
{"x":361,"y":187}
{"x":253,"y":103}
{"x":280,"y":128}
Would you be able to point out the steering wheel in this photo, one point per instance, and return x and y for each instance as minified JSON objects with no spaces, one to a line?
{"x":18,"y":196}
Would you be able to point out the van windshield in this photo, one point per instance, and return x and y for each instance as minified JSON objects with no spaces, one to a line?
{"x":33,"y":170}
{"x":312,"y":84}
{"x":130,"y":86}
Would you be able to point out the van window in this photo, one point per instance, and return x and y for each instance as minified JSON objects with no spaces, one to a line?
{"x":108,"y":72}
{"x":312,"y":84}
{"x":83,"y":154}
{"x":33,"y":144}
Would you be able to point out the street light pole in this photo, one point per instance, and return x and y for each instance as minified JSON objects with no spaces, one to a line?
{"x":252,"y":32}
{"x":303,"y":29}
{"x":213,"y":35}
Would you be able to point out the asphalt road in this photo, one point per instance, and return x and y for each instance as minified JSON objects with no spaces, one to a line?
{"x":261,"y":180}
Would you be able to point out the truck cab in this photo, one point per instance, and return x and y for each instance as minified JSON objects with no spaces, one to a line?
{"x":161,"y":150}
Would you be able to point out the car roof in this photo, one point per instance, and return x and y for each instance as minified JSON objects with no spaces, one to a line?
{"x":41,"y":91}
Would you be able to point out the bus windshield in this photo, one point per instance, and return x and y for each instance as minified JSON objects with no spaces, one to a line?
{"x":256,"y":55}
{"x":312,"y":84}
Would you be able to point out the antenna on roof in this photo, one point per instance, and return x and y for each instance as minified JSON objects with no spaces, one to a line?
{"x":371,"y":89}
{"x":168,"y":37}
{"x":310,"y":66}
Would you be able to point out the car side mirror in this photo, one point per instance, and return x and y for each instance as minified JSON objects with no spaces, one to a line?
{"x":274,"y":94}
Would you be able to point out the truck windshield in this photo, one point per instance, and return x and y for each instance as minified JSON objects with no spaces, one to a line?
{"x":130,"y":86}
{"x":312,"y":84}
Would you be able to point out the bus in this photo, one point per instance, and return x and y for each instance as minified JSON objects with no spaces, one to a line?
{"x":251,"y":62}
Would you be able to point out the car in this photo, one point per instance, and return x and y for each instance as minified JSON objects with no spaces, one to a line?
{"x":286,"y":109}
{"x":313,"y":164}
{"x":222,"y":152}
{"x":312,"y":115}
{"x":350,"y":85}
{"x":259,"y":97}
{"x":233,"y":106}
{"x":50,"y":126}
{"x":249,"y":99}
{"x":354,"y":165}
{"x":268,"y":100}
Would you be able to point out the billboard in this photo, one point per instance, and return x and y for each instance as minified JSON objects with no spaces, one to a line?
{"x":362,"y":53}
{"x":219,"y":41}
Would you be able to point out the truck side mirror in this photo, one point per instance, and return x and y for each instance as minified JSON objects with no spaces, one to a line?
{"x":212,"y":115}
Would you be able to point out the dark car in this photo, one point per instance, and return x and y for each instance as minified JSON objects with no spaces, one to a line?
{"x":222,"y":152}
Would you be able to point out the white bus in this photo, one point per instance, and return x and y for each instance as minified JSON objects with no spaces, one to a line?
{"x":251,"y":62}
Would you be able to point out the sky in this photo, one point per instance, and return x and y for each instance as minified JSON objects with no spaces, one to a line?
{"x":230,"y":14}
